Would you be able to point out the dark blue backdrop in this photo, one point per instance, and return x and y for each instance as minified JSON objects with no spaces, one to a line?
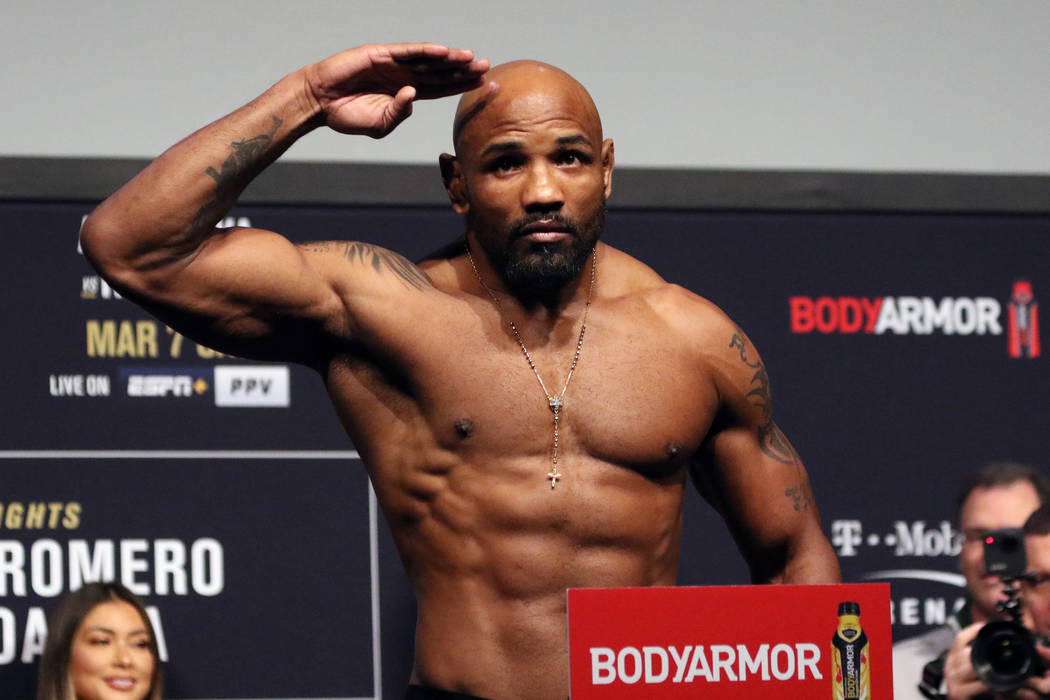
{"x":887,"y":423}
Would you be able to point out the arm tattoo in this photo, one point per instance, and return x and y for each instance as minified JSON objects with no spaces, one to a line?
{"x":243,"y":159}
{"x":770,"y":439}
{"x":801,"y":495}
{"x":318,"y":246}
{"x":380,"y":260}
{"x":244,"y":155}
{"x":737,"y":341}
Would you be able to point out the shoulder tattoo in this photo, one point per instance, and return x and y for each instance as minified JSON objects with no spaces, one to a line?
{"x":771,"y":440}
{"x":378,"y":259}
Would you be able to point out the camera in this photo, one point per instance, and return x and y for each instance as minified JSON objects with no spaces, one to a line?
{"x":1003,"y":653}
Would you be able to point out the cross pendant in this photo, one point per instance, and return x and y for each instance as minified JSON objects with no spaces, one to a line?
{"x":553,"y":476}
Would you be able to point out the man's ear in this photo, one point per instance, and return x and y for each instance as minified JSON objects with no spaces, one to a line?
{"x":452,"y":176}
{"x":608,"y":161}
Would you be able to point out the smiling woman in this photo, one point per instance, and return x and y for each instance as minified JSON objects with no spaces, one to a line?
{"x":100,"y":646}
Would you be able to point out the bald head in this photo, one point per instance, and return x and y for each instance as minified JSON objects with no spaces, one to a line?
{"x":518,"y":89}
{"x":530,"y":152}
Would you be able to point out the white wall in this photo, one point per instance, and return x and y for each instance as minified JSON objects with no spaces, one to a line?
{"x":898,"y":85}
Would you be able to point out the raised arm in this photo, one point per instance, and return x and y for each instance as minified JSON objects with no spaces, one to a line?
{"x":241,"y":289}
{"x":750,"y":472}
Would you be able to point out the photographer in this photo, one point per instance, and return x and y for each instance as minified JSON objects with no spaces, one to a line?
{"x":960,"y":676}
{"x":999,"y":495}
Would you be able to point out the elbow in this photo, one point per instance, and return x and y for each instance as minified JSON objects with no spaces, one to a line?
{"x":112,"y":248}
{"x":806,"y":558}
{"x":99,"y":241}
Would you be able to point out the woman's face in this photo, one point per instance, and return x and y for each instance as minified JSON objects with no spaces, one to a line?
{"x":111,"y":657}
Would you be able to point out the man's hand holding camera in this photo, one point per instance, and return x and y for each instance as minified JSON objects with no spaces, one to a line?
{"x":961,"y":678}
{"x":1003,"y":658}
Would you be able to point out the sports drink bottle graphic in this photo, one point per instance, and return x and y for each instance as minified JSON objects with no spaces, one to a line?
{"x":1023,"y":321}
{"x":850,"y":658}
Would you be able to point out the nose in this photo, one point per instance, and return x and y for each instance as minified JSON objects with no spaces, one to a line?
{"x":121,"y":655}
{"x":542,"y":191}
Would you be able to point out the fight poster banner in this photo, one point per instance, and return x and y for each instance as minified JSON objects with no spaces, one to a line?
{"x":725,"y":642}
{"x":255,"y":588}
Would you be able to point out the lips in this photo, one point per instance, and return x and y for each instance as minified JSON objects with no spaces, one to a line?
{"x":546,"y":230}
{"x":545,"y":236}
{"x":124,"y":684}
{"x":544,"y":226}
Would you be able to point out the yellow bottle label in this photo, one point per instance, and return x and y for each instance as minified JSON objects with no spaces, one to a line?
{"x":850,"y":667}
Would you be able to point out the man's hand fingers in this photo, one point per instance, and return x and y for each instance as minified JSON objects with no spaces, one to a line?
{"x":401,"y":106}
{"x":435,"y":70}
{"x":968,"y":634}
{"x":444,"y":89}
{"x":1041,"y":684}
{"x":370,"y":89}
{"x":427,"y":53}
{"x":964,"y":690}
{"x":430,"y":59}
{"x":441,"y":81}
{"x":959,"y":675}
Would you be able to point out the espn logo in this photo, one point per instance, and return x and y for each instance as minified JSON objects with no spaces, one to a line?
{"x":252,"y":385}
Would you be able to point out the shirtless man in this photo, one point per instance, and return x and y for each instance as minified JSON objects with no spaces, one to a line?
{"x":506,"y":476}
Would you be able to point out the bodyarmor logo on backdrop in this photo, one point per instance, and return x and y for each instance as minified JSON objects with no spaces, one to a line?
{"x":905,"y":315}
{"x":914,"y":315}
{"x":1023,"y":321}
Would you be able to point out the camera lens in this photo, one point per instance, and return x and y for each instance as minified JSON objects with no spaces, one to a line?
{"x":1003,"y":655}
{"x":1010,"y":543}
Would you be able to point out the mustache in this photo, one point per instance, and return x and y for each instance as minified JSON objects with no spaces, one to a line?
{"x":517,"y":229}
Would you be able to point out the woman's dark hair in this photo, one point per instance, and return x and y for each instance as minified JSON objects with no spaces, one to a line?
{"x":62,"y":626}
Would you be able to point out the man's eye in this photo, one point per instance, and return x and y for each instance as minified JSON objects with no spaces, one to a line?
{"x":1034,"y":580}
{"x":572,"y":158}
{"x":502,"y":165}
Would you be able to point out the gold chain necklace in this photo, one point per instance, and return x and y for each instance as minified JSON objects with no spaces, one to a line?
{"x":554,"y":402}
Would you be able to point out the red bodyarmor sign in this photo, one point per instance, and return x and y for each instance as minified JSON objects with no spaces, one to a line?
{"x":773,"y":642}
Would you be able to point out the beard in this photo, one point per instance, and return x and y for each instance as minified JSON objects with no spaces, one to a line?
{"x":539,"y":270}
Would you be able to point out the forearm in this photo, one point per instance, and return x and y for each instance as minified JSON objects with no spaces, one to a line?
{"x":169,"y":209}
